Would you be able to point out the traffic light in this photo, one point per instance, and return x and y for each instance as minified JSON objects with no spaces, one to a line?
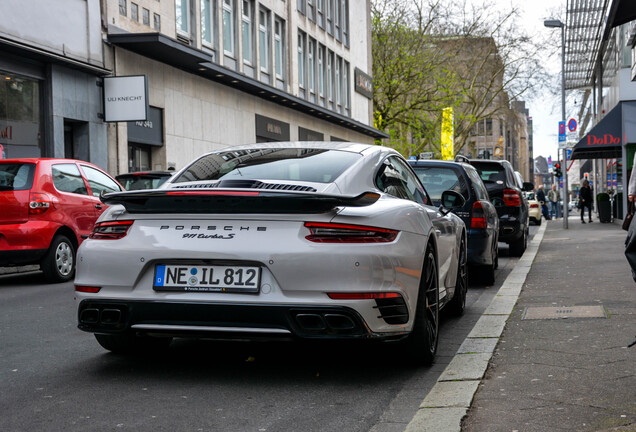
{"x":557,"y":170}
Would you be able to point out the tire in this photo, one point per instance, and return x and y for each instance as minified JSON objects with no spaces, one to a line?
{"x":421,"y":345}
{"x":58,"y":264}
{"x":538,"y":222}
{"x":458,"y":304}
{"x":518,"y":247}
{"x":129,"y":343}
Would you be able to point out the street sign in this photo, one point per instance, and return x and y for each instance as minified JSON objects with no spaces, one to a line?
{"x":572,"y":125}
{"x":561,"y":132}
{"x":568,"y":153}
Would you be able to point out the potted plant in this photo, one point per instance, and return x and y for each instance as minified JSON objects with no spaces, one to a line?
{"x":604,"y":208}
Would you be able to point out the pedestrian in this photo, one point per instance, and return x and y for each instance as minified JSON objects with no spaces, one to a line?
{"x":585,"y":200}
{"x":631,"y":189}
{"x":542,"y":200}
{"x":554,"y":196}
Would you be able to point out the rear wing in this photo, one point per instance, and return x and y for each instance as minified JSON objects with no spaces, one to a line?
{"x":228,"y":201}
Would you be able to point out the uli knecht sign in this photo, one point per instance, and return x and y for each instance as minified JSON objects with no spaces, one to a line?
{"x":125,"y":98}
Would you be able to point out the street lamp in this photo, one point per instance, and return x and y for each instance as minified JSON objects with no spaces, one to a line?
{"x":551,"y":23}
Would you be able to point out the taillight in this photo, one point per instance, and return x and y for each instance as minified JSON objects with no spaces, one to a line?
{"x":512,"y":197}
{"x":478,"y":217}
{"x":87,"y":289}
{"x":363,"y":295}
{"x":342,"y":233}
{"x":534,"y":205}
{"x":111,"y":230}
{"x":38,"y":203}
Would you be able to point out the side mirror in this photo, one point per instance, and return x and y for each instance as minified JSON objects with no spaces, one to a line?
{"x":451,"y":200}
{"x":527,"y":187}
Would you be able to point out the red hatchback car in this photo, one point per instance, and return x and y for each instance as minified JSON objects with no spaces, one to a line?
{"x":47,"y":207}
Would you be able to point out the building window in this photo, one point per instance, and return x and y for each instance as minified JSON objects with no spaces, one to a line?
{"x":207,"y":20}
{"x":330,"y":76}
{"x":228,"y":27}
{"x":336,"y":19}
{"x":311,"y":10}
{"x":330,"y":4}
{"x":320,"y":13}
{"x":146,"y":16}
{"x":247,"y":28}
{"x":279,"y":46}
{"x":337,"y":82}
{"x":301,"y":59}
{"x":345,"y":22}
{"x":311,"y":65}
{"x":321,"y":71}
{"x":346,"y":88}
{"x":300,"y":5}
{"x":183,"y":25}
{"x":134,"y":11}
{"x":263,"y":39}
{"x":489,"y":127}
{"x":123,"y":8}
{"x":157,"y":22}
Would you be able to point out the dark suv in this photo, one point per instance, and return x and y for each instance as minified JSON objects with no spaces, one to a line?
{"x":478,"y":213}
{"x":506,"y":194}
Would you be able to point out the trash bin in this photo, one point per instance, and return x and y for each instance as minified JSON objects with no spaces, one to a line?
{"x":604,"y":207}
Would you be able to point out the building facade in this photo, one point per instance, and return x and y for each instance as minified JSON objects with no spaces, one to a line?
{"x":229,"y":72}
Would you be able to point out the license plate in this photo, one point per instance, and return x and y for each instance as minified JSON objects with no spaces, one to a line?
{"x":203,"y":278}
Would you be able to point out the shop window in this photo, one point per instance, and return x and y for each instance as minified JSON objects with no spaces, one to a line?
{"x":20,"y":111}
{"x":138,"y":157}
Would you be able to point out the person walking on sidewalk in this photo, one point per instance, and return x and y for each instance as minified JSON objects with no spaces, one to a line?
{"x":631,"y":189}
{"x":554,"y":196}
{"x":585,"y":200}
{"x":542,"y":200}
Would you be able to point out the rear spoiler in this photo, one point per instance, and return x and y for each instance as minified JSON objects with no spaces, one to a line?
{"x":227,"y":201}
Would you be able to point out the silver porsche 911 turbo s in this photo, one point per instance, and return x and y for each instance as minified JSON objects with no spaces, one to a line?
{"x":277,"y":240}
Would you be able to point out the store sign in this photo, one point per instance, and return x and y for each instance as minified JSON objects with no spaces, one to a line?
{"x":19,"y":133}
{"x":363,"y":83}
{"x":149,"y":131}
{"x":271,"y":129}
{"x":607,"y":139}
{"x":125,"y":98}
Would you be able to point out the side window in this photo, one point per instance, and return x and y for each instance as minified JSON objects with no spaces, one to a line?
{"x":98,"y":181}
{"x":397,"y":179}
{"x":478,"y":185}
{"x":67,"y":178}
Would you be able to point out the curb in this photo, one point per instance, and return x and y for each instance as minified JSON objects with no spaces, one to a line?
{"x":449,"y":400}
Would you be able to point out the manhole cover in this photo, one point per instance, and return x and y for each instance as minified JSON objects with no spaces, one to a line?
{"x":564,"y":312}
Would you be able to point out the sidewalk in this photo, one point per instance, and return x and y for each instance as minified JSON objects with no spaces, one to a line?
{"x":562,"y":362}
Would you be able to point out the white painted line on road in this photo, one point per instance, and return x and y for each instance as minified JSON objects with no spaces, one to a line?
{"x":443,"y":409}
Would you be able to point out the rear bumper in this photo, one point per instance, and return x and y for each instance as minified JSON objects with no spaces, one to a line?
{"x":251,"y":321}
{"x":479,"y":247}
{"x":510,"y":228}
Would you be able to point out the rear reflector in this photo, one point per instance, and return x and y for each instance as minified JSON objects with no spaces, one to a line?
{"x":87,"y":289}
{"x":38,"y":203}
{"x":512,"y":198}
{"x":363,"y":295}
{"x":478,"y":218}
{"x":342,"y":233}
{"x":111,"y":230}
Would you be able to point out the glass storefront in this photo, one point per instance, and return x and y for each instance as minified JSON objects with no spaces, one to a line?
{"x":20,"y":116}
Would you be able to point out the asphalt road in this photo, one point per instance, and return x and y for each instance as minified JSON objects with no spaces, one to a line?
{"x":55,"y":377}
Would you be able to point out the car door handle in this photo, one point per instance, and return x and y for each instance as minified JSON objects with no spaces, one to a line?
{"x":98,"y":207}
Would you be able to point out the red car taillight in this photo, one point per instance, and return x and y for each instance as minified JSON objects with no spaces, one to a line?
{"x":38,"y":203}
{"x":534,"y":205}
{"x":342,"y":233}
{"x":478,"y":218}
{"x":111,"y":230}
{"x":512,"y":197}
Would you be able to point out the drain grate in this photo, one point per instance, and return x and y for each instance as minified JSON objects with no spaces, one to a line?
{"x":559,"y":312}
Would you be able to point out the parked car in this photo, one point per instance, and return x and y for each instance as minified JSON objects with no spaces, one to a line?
{"x":534,"y":208}
{"x":287,"y":240}
{"x":144,"y":179}
{"x":478,"y":213}
{"x":48,"y":207}
{"x":506,"y":193}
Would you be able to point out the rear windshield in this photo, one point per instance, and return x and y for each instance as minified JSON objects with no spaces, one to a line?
{"x":491,"y":172}
{"x":16,"y":176}
{"x":437,"y":180}
{"x":307,"y":165}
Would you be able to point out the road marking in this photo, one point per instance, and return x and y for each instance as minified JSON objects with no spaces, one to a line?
{"x":442,"y":408}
